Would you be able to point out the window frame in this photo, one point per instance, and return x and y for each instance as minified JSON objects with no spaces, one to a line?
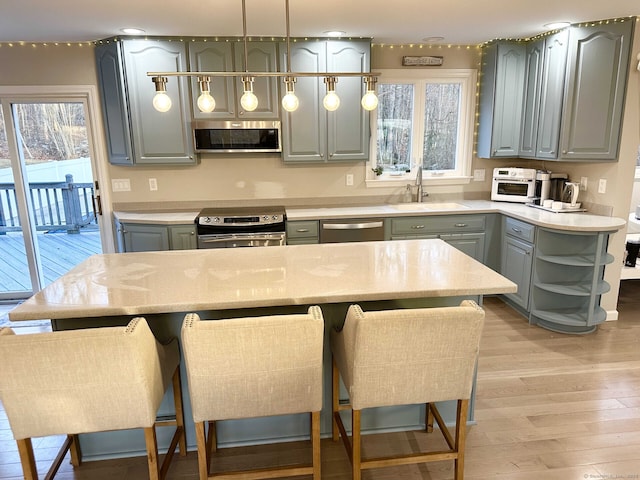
{"x":467,"y":78}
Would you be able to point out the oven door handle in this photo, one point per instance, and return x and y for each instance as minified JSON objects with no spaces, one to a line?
{"x":226,"y":238}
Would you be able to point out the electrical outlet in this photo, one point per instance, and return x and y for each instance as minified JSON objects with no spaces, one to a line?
{"x":153,"y":184}
{"x":478,"y":175}
{"x":120,"y":185}
{"x":583,"y":183}
{"x":602,"y":185}
{"x":349,"y":179}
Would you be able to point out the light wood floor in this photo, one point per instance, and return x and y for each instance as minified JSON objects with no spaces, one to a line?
{"x":549,"y":406}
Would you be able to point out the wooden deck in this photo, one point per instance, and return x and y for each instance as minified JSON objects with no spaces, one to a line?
{"x":59,"y":252}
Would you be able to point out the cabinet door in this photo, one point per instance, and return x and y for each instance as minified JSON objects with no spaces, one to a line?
{"x":183,"y":237}
{"x":348,"y":127}
{"x":158,"y":137}
{"x":551,"y":95}
{"x":114,"y":104}
{"x":145,"y":238}
{"x":304,"y":131}
{"x":517,"y":261}
{"x":470,"y":243}
{"x":501,"y":95}
{"x":213,"y":57}
{"x":533,"y":79}
{"x":261,"y":57}
{"x":597,"y":75}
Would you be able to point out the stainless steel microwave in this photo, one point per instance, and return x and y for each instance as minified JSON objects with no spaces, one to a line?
{"x":242,"y":136}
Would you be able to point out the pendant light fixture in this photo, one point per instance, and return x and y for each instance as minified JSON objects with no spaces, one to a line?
{"x":249,"y":101}
{"x":161,"y":101}
{"x":206,"y":103}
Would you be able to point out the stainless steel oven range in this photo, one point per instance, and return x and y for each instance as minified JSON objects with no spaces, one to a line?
{"x":241,"y":227}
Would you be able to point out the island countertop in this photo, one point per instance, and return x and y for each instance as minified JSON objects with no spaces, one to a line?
{"x":192,"y":280}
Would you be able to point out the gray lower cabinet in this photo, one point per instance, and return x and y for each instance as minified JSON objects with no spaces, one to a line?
{"x":311,"y":133}
{"x":501,"y":95}
{"x":465,"y":232}
{"x":136,"y":133}
{"x":303,"y":232}
{"x":517,"y":258}
{"x":568,"y":280}
{"x":597,"y":65}
{"x":225,"y":56}
{"x":149,"y":238}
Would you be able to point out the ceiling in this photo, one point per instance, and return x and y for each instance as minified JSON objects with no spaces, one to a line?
{"x":460,"y":22}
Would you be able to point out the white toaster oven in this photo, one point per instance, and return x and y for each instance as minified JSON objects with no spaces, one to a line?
{"x":512,"y":184}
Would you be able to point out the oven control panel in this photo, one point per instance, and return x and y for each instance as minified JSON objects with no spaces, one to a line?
{"x":241,"y":220}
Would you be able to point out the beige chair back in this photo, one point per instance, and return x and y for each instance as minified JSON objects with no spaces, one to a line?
{"x":253,"y":367}
{"x":83,"y":381}
{"x":411,"y":356}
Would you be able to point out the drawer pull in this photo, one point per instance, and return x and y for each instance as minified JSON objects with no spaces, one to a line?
{"x":460,"y":225}
{"x":517,"y":230}
{"x":302,"y":230}
{"x":417,"y":227}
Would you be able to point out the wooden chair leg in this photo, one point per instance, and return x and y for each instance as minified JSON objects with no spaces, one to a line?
{"x":177,"y":401}
{"x":356,"y":445}
{"x":335,"y":402}
{"x":74,"y":450}
{"x":212,"y":439}
{"x":428,"y":418}
{"x":152,"y":453}
{"x":461,"y":437}
{"x":315,"y":444}
{"x":203,"y":451}
{"x":27,"y":459}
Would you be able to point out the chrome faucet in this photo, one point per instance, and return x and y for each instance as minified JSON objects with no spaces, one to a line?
{"x":419,"y":193}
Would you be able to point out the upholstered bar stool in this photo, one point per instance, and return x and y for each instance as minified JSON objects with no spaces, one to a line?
{"x":403,"y":357}
{"x":254,"y":367}
{"x":91,"y":380}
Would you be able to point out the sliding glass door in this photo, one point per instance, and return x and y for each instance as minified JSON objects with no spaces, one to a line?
{"x":48,"y":197}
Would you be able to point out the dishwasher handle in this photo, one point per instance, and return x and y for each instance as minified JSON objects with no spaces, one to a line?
{"x":352,"y":226}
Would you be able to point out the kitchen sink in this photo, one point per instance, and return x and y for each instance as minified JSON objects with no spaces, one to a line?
{"x":421,"y":207}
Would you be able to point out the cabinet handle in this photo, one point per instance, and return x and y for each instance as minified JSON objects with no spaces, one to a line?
{"x":417,"y":227}
{"x":193,"y":233}
{"x":302,"y":230}
{"x":517,"y":230}
{"x":460,"y":225}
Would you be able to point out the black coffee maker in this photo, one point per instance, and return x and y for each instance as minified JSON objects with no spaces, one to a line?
{"x":549,"y":186}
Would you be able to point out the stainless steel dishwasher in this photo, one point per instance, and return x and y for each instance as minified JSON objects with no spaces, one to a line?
{"x":351,"y":230}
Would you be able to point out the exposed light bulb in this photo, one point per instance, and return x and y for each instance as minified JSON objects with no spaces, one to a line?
{"x":249,"y":101}
{"x":206,"y":103}
{"x":162,"y":102}
{"x":331,"y":101}
{"x":369,"y":100}
{"x":290,"y":102}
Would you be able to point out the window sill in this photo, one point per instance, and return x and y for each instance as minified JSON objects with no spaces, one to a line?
{"x":384,"y":181}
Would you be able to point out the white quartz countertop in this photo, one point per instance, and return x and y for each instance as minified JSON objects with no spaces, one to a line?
{"x":560,"y":221}
{"x":192,"y":280}
{"x":582,"y":221}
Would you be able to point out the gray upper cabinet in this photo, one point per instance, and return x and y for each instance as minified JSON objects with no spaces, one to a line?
{"x":598,"y":65}
{"x":136,"y":133}
{"x":544,"y":91}
{"x":228,"y":56}
{"x":312,"y":134}
{"x":501,"y":95}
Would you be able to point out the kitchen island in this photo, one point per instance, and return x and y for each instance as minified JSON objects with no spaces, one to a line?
{"x":110,"y":289}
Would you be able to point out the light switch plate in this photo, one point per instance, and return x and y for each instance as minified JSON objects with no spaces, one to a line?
{"x":602,"y":185}
{"x":120,"y":185}
{"x":478,"y":175}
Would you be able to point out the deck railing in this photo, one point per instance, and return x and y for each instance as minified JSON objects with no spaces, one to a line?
{"x":56,"y":206}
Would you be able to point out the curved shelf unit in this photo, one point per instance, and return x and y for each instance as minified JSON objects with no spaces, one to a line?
{"x":568,"y":281}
